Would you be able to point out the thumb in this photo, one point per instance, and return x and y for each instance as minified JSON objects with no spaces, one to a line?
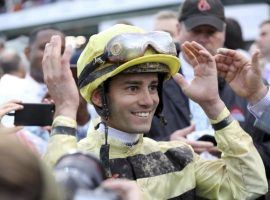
{"x":180,"y":80}
{"x":67,"y":55}
{"x":255,"y":60}
{"x":185,"y":131}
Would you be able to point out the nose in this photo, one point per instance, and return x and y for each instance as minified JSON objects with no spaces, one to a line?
{"x":203,"y":38}
{"x":147,"y":99}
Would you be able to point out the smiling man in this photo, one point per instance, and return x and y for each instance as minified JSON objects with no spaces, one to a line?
{"x":121,"y":72}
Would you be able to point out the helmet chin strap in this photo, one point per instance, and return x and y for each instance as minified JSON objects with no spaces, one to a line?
{"x":105,"y":148}
{"x":159,"y":109}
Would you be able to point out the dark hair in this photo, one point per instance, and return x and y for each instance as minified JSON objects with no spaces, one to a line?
{"x":10,"y":62}
{"x":233,"y":38}
{"x":33,"y":34}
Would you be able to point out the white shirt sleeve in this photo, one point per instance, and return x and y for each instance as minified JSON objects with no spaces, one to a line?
{"x":258,"y":108}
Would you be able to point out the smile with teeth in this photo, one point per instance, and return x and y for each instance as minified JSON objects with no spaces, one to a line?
{"x":142,"y":114}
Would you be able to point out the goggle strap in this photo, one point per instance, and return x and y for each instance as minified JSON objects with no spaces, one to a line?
{"x":90,"y":67}
{"x":94,"y":75}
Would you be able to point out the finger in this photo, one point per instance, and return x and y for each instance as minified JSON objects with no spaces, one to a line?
{"x":180,"y":80}
{"x":197,"y":46}
{"x":193,"y":49}
{"x":236,"y":56}
{"x":226,"y":52}
{"x":67,"y":55}
{"x":190,"y":57}
{"x":206,"y":57}
{"x":10,"y":107}
{"x":220,"y":61}
{"x":56,"y":53}
{"x":56,"y":44}
{"x":200,"y":144}
{"x":230,"y":76}
{"x":255,"y":61}
{"x":225,"y":60}
{"x":222,"y":67}
{"x":46,"y":62}
{"x":185,"y":131}
{"x":200,"y":150}
{"x":202,"y":51}
{"x":213,"y":149}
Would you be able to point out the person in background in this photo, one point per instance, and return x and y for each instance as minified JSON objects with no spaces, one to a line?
{"x":167,"y":20}
{"x":127,"y":95}
{"x":12,"y":64}
{"x":12,"y":82}
{"x":263,"y":43}
{"x":34,"y":89}
{"x":234,"y":36}
{"x":202,"y":21}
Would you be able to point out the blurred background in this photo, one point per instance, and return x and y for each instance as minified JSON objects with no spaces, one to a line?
{"x":79,"y":19}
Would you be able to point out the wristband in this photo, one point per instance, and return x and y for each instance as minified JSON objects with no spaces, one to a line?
{"x":63,"y":130}
{"x":223,"y":123}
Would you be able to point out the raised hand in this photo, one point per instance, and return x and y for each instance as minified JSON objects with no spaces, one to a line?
{"x":242,"y":74}
{"x":203,"y":89}
{"x":58,"y":77}
{"x":6,"y":108}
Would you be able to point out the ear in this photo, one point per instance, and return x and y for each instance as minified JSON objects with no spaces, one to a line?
{"x":27,"y":52}
{"x":96,"y":98}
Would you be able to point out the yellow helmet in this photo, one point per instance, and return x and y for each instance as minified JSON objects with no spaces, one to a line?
{"x":98,"y":61}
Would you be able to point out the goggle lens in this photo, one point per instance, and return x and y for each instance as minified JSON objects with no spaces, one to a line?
{"x":125,"y":47}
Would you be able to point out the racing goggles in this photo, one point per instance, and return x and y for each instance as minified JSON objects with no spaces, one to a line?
{"x":125,"y":47}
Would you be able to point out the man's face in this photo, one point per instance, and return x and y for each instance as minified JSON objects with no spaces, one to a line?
{"x":205,"y":35}
{"x":168,"y":25}
{"x":36,"y":49}
{"x":263,"y":40}
{"x":133,"y":99}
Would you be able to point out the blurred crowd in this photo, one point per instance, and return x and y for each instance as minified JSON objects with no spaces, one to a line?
{"x":206,"y":130}
{"x":17,"y":5}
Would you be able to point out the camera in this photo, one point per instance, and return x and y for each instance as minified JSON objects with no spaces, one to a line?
{"x":80,"y":175}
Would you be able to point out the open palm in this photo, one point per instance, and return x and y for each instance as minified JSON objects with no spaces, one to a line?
{"x":204,"y":85}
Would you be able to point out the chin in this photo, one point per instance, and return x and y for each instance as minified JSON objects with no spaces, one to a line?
{"x":142,"y":129}
{"x":137,"y":129}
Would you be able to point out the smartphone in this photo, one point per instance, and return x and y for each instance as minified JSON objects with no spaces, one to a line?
{"x":208,"y":138}
{"x":34,"y":114}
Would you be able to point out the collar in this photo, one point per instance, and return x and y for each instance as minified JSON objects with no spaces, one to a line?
{"x":123,"y":137}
